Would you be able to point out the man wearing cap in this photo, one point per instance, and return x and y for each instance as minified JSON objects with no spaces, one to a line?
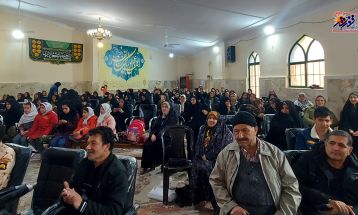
{"x":252,"y":176}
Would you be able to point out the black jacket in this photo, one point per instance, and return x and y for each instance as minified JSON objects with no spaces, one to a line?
{"x":105,"y":187}
{"x":314,"y":177}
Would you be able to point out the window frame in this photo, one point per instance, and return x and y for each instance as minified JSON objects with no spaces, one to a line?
{"x":306,"y":62}
{"x":255,"y":63}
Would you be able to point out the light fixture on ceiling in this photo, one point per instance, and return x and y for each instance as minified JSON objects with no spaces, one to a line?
{"x":216,"y":49}
{"x":18,"y":33}
{"x":269,"y":30}
{"x":171,"y":54}
{"x":99,"y":33}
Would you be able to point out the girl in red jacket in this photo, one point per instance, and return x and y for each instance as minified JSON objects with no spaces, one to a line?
{"x":86,"y":123}
{"x":44,"y":122}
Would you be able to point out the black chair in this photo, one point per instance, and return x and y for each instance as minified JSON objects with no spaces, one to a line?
{"x":94,"y":103}
{"x":181,"y":120}
{"x":23,"y":155}
{"x":130,"y":163}
{"x":177,"y":153}
{"x":176,"y":108}
{"x":151,"y":123}
{"x":149,"y":111}
{"x":57,"y":166}
{"x":227,"y":119}
{"x":293,"y":155}
{"x":266,"y":124}
{"x":291,"y":134}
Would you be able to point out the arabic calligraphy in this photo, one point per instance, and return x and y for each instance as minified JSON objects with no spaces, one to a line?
{"x":125,"y":61}
{"x":345,"y":22}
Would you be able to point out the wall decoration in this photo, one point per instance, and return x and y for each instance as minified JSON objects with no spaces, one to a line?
{"x":123,"y":67}
{"x":54,"y":51}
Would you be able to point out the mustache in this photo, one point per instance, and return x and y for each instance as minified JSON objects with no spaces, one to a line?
{"x":90,"y":151}
{"x":242,"y":139}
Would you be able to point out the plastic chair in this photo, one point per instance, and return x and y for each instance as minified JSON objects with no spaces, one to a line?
{"x":177,"y":153}
{"x":293,"y":155}
{"x":291,"y":134}
{"x":23,"y":155}
{"x":151,"y":123}
{"x":149,"y":111}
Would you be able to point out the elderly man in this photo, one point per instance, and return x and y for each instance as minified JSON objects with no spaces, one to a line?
{"x":328,"y":177}
{"x":302,"y":102}
{"x":252,"y":176}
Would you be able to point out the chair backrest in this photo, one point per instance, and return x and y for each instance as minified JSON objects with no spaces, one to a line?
{"x":149,"y":111}
{"x":227,"y":119}
{"x":181,"y":120}
{"x":266,"y":124}
{"x":173,"y":141}
{"x":293,"y":155}
{"x":176,"y":108}
{"x":151,"y":123}
{"x":130,"y":163}
{"x":57,"y":166}
{"x":94,"y":103}
{"x":291,"y":134}
{"x":23,"y":155}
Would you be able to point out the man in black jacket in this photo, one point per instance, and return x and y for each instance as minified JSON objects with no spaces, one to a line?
{"x":100,"y":183}
{"x":328,"y":177}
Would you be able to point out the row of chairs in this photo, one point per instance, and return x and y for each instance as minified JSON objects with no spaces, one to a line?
{"x":57,"y":165}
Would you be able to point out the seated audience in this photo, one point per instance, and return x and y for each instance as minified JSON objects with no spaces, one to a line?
{"x":287,"y":117}
{"x":11,"y":116}
{"x":349,"y":119}
{"x":252,"y":176}
{"x":315,"y":136}
{"x":226,"y":108}
{"x":45,"y":121}
{"x":120,"y":113}
{"x":245,"y":99}
{"x":25,"y":123}
{"x":7,"y":160}
{"x":213,"y":136}
{"x":105,"y":118}
{"x":272,"y":107}
{"x":192,"y":108}
{"x":67,"y":123}
{"x":212,"y":101}
{"x":327,"y":177}
{"x":152,"y":154}
{"x":100,"y":182}
{"x":183,"y":103}
{"x":85,"y":124}
{"x":308,"y":117}
{"x":302,"y":102}
{"x":198,"y":119}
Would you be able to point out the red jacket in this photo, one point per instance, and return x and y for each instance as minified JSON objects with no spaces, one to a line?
{"x":84,"y":129}
{"x":43,"y":125}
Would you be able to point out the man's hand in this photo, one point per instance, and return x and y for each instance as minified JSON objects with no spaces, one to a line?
{"x":237,"y":210}
{"x":338,"y":207}
{"x":70,"y":196}
{"x":355,"y":133}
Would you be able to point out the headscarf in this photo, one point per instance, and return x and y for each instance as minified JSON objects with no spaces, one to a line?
{"x":90,"y":114}
{"x":48,"y":107}
{"x":26,"y":118}
{"x":107,"y":110}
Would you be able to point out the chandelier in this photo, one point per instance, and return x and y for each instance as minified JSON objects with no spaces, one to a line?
{"x":99,"y":33}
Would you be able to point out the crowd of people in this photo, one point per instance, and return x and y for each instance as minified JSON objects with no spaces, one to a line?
{"x":229,"y":162}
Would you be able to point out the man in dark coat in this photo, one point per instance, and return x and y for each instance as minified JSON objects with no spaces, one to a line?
{"x":100,"y":183}
{"x":328,"y":177}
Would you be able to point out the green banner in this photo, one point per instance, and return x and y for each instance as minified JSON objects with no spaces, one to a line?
{"x":54,"y":51}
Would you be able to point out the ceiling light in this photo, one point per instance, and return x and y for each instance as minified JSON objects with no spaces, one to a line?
{"x":216,"y":49}
{"x":99,"y":33}
{"x":100,"y":44}
{"x":18,"y":34}
{"x":269,"y":30}
{"x":171,"y":55}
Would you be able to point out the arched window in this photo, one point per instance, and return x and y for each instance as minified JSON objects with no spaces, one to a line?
{"x":254,"y":73}
{"x":306,"y":63}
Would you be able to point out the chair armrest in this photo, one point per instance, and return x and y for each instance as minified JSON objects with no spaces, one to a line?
{"x":54,"y":209}
{"x":14,"y":192}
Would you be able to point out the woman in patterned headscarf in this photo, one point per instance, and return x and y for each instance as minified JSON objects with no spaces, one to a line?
{"x":213,"y":136}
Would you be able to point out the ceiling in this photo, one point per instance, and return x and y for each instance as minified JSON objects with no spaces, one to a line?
{"x":194,"y":24}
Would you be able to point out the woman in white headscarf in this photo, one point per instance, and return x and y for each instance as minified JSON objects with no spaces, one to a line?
{"x":86,"y":123}
{"x":25,"y":123}
{"x":105,"y":118}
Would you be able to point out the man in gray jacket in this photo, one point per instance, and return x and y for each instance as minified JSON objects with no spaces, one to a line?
{"x":252,"y":176}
